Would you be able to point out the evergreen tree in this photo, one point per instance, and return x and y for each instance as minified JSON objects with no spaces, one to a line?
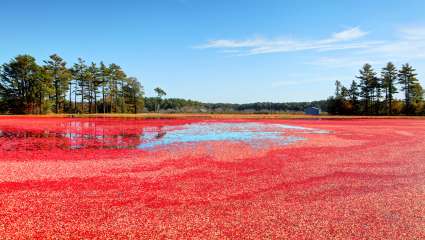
{"x":26,"y":87}
{"x":104,"y":78}
{"x":338,"y":87}
{"x":60,"y":75}
{"x":378,"y":89}
{"x":133,"y":92}
{"x":160,"y":93}
{"x":20,"y":83}
{"x":354,"y":91}
{"x":80,"y":74}
{"x":94,"y":80}
{"x":389,"y":77}
{"x":117,"y":77}
{"x":368,"y":83}
{"x":417,"y":97}
{"x":407,"y":80}
{"x":354,"y":95}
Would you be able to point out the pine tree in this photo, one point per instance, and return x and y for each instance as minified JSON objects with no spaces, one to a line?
{"x":160,"y":93}
{"x":389,"y":77}
{"x":104,"y":77}
{"x":56,"y":68}
{"x":407,"y":80}
{"x":133,"y":92}
{"x":120,"y":77}
{"x":80,"y":75}
{"x":94,"y":80}
{"x":26,"y":87}
{"x":368,"y":83}
{"x":117,"y":76}
{"x":354,"y":95}
{"x":20,"y":84}
{"x":338,"y":87}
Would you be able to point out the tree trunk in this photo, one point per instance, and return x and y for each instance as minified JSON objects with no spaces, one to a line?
{"x":122,"y":96}
{"x":70,"y":96}
{"x":40,"y":103}
{"x":90,"y":97}
{"x":95,"y":101}
{"x":103,"y":97}
{"x":115,"y":96}
{"x":407,"y":97}
{"x":82,"y":97}
{"x":56,"y":97}
{"x":75,"y":100}
{"x":56,"y":100}
{"x":135,"y":103}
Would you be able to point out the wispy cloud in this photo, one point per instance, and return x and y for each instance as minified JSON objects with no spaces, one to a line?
{"x":350,"y":48}
{"x":416,"y":33}
{"x":337,"y":41}
{"x":345,"y":61}
{"x":347,"y":35}
{"x":306,"y":79}
{"x":409,"y":45}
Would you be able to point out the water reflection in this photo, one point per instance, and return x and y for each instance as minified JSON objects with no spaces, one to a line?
{"x":116,"y":135}
{"x":161,"y":133}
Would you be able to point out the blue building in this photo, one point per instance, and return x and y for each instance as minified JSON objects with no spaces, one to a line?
{"x":312,"y":111}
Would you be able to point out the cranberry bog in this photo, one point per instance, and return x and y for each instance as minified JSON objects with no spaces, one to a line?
{"x":116,"y":178}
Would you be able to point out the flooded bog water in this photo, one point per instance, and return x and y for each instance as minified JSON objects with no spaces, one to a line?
{"x":252,"y":133}
{"x":149,"y":135}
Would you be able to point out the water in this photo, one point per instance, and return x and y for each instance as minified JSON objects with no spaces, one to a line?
{"x":135,"y":135}
{"x":251,"y":133}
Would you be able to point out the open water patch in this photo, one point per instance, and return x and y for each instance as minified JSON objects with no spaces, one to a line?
{"x":251,"y":133}
{"x":95,"y":135}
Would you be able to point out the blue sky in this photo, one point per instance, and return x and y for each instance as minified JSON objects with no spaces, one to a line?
{"x":223,"y":50}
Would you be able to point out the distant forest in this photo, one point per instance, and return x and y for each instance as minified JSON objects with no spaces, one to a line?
{"x":54,"y":87}
{"x":182,"y":105}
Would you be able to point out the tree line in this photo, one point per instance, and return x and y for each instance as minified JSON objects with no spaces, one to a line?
{"x":375,"y":94}
{"x":175,"y":105}
{"x":264,"y":107}
{"x":29,"y":88}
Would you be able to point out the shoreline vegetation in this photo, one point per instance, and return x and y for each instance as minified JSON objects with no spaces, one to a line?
{"x":374,"y":94}
{"x":27,"y":87}
{"x":212,"y":116}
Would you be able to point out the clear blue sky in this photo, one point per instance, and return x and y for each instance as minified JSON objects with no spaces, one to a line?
{"x":223,"y":50}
